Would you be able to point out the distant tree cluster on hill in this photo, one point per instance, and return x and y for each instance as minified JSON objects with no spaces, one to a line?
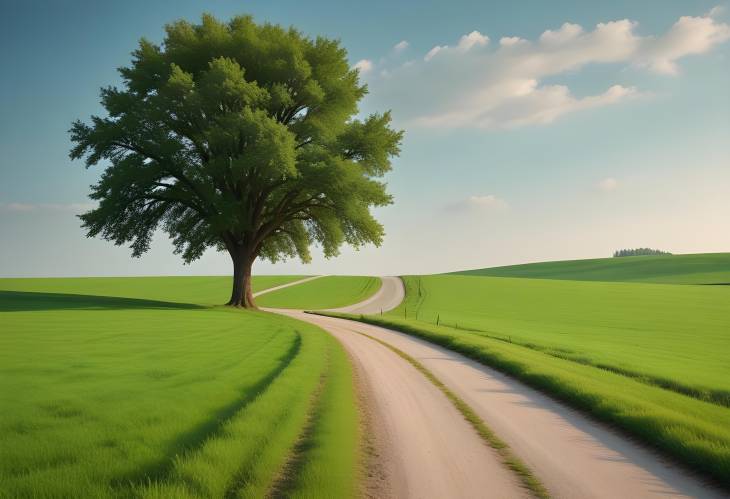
{"x":639,"y":252}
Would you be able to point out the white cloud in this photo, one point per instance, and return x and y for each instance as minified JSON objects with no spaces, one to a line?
{"x":471,"y":40}
{"x":689,"y":35}
{"x":522,"y":102}
{"x":482,"y":203}
{"x":400,"y":46}
{"x":18,"y":207}
{"x":565,"y":34}
{"x":717,"y":10}
{"x":502,"y":86}
{"x":466,"y":42}
{"x":608,"y":184}
{"x":509,"y":41}
{"x":429,"y":55}
{"x":488,"y":201}
{"x":364,"y":66}
{"x":46,"y":207}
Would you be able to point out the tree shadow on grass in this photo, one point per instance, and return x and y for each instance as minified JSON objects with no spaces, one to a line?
{"x":192,"y":440}
{"x":27,"y":301}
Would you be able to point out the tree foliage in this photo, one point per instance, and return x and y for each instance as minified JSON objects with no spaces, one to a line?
{"x":240,"y":137}
{"x":639,"y":252}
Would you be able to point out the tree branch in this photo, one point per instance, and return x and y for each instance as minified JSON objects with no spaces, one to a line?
{"x":173,"y":172}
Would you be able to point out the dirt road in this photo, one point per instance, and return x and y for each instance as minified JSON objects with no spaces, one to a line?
{"x":425,"y":447}
{"x":288,"y":284}
{"x":432,"y":452}
{"x":389,"y":296}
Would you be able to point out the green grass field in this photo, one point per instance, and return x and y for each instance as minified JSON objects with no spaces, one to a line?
{"x":710,"y":268}
{"x":109,"y":396}
{"x":649,"y":358}
{"x":644,"y":329}
{"x":324,"y":292}
{"x":207,"y":290}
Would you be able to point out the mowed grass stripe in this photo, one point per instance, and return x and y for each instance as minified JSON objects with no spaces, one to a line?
{"x":284,"y":483}
{"x":255,"y":451}
{"x":196,"y":437}
{"x":326,"y":467}
{"x":243,"y":460}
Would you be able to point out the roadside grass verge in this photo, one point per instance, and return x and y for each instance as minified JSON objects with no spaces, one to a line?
{"x":119,"y":397}
{"x":324,"y":462}
{"x":324,"y":292}
{"x":692,"y":432}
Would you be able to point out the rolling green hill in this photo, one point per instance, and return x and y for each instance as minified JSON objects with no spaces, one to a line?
{"x":708,"y":268}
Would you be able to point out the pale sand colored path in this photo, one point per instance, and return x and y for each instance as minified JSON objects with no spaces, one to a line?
{"x":573,"y":456}
{"x":282,"y":286}
{"x":426,"y":448}
{"x":389,"y":296}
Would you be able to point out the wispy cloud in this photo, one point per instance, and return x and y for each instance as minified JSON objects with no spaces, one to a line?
{"x":400,"y":46}
{"x":688,"y":36}
{"x":474,"y":83}
{"x":432,"y":53}
{"x":716,"y":11}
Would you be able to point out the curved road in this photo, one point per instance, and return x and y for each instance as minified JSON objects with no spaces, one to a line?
{"x":389,"y":296}
{"x":427,"y":449}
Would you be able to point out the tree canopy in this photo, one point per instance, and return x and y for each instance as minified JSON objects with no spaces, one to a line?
{"x":639,"y":252}
{"x":241,"y":137}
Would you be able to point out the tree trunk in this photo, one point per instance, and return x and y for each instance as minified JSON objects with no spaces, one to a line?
{"x":241,"y":295}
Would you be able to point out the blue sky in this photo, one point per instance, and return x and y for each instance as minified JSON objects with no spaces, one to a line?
{"x":534,"y":131}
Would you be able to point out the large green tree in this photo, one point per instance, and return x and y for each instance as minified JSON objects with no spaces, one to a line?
{"x":240,"y":137}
